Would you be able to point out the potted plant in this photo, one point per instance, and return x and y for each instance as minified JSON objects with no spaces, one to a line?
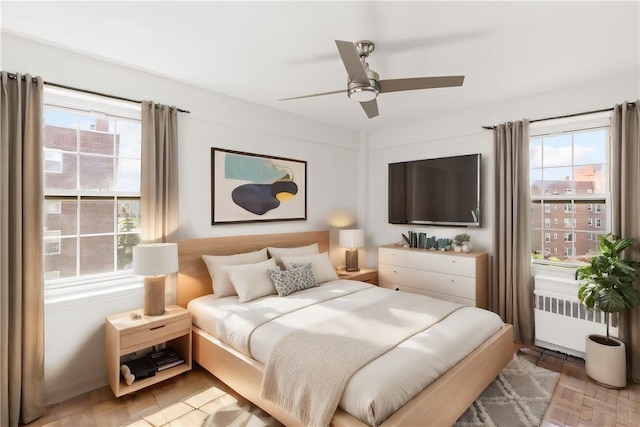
{"x":462,"y":242}
{"x":608,"y":286}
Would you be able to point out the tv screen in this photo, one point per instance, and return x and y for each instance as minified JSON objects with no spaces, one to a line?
{"x":443,"y":191}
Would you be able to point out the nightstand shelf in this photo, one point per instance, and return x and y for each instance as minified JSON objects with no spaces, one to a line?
{"x":364,"y":275}
{"x":126,"y":335}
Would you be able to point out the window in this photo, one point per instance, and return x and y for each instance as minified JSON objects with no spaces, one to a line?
{"x":569,"y":164}
{"x":555,"y":236}
{"x":91,"y":187}
{"x":547,"y":237}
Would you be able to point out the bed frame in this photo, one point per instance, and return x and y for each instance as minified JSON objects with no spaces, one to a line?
{"x":441,"y":403}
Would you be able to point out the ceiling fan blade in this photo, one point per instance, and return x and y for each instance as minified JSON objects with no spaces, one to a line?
{"x":352,"y":62}
{"x":370,"y":107}
{"x":315,"y":94}
{"x":397,"y":85}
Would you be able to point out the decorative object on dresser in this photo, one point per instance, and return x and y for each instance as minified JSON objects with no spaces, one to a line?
{"x":457,"y":277}
{"x":352,"y":240}
{"x":608,"y":286}
{"x":249,"y":187}
{"x":130,"y":335}
{"x":154,"y":260}
{"x":462,"y":243}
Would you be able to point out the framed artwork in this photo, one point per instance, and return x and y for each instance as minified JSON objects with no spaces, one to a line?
{"x":249,"y":187}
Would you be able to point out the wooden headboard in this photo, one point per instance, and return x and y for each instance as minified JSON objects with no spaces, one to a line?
{"x":193,"y":277}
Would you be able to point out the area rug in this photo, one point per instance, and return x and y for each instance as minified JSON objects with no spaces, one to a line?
{"x":519,"y":396}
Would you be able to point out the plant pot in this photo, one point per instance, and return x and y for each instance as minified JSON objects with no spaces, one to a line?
{"x":457,"y":248}
{"x":606,"y":363}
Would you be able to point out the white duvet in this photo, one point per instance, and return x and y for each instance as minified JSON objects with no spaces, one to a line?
{"x":381,"y":387}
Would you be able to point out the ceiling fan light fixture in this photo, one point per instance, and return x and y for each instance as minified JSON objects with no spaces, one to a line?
{"x":363,"y":93}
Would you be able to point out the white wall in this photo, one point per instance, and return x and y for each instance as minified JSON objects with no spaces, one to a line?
{"x":74,"y":329}
{"x":462,"y":133}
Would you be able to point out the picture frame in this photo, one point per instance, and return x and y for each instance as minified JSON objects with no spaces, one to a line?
{"x":248,"y":187}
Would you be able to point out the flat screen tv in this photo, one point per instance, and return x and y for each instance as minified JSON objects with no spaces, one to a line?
{"x":442,"y":191}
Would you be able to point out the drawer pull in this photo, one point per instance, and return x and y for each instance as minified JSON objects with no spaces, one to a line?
{"x":156,"y":327}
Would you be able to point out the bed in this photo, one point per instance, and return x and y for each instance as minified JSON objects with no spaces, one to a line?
{"x":432,"y":406}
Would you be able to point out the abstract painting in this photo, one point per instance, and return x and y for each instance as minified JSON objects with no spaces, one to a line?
{"x":249,"y":187}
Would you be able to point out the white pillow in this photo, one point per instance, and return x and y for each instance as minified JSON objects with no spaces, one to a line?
{"x":278,"y":253}
{"x":252,"y":281}
{"x":222,"y":286}
{"x":323,"y":270}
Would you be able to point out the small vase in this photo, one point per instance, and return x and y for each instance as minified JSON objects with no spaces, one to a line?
{"x":466,"y":247}
{"x":457,"y":248}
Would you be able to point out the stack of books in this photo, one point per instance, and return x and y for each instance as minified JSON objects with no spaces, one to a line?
{"x":165,"y":359}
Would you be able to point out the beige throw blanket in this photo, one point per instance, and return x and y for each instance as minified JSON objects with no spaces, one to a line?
{"x":307,"y":371}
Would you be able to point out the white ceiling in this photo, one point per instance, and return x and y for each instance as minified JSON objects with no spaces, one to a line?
{"x":263,"y":51}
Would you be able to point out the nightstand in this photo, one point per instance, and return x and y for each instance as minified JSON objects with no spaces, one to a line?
{"x":364,"y":275}
{"x":132,"y":331}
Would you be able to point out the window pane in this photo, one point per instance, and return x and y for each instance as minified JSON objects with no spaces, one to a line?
{"x":60,"y":118}
{"x":535,"y":179}
{"x":128,"y":175}
{"x":557,"y":151}
{"x":95,"y":123}
{"x":96,"y":254}
{"x":66,"y":178}
{"x":60,"y":138}
{"x":96,"y":173}
{"x":586,"y":244}
{"x":64,"y":263}
{"x":128,"y":139}
{"x":128,"y":231}
{"x":96,"y":143}
{"x":61,"y":214}
{"x":590,"y":147}
{"x":590,"y":179}
{"x":96,"y":216}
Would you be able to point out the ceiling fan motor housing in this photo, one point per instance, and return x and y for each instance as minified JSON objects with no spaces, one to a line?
{"x":363,"y":92}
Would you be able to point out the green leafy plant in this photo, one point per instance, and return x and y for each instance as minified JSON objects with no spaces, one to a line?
{"x":608,"y":280}
{"x":460,"y":239}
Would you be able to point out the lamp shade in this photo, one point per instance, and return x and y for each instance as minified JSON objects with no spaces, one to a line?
{"x":351,"y":238}
{"x":155,"y":259}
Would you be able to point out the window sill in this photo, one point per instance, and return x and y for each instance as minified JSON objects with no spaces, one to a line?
{"x":106,"y":287}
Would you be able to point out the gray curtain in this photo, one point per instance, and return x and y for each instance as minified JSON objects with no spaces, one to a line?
{"x":21,"y":280}
{"x":625,"y":209}
{"x":511,"y":288}
{"x":159,"y":180}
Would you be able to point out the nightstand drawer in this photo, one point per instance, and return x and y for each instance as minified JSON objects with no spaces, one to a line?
{"x":137,"y":336}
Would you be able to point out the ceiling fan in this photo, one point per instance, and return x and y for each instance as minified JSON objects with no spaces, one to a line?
{"x":363,"y":84}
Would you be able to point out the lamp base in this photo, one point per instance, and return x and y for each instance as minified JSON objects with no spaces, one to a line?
{"x":351,"y":260}
{"x":154,"y":295}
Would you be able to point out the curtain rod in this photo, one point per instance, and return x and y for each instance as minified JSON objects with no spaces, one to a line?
{"x":91,"y":92}
{"x":564,"y":117}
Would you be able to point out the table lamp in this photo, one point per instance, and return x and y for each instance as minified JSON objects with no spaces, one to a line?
{"x":154,"y":260}
{"x":352,"y":240}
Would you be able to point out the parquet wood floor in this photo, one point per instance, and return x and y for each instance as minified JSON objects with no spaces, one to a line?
{"x":577,"y":400}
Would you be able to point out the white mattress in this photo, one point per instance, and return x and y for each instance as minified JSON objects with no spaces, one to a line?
{"x":384,"y":385}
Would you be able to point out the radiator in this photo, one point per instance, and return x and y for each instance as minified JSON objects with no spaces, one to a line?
{"x":561,"y":322}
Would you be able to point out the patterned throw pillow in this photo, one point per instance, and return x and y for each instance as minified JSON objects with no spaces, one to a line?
{"x":293,"y":280}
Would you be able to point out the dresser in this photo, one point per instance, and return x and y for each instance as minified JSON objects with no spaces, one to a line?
{"x":452,"y":276}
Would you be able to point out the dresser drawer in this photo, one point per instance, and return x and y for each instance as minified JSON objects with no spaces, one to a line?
{"x":429,"y":260}
{"x":136,"y":337}
{"x":460,"y":286}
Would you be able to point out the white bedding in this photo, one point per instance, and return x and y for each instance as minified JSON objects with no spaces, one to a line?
{"x":381,"y":387}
